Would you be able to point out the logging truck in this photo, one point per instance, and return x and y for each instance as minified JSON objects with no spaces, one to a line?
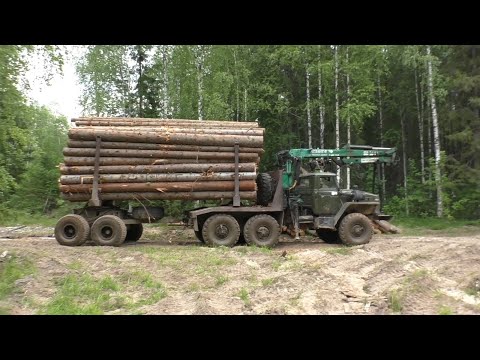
{"x":114,"y":159}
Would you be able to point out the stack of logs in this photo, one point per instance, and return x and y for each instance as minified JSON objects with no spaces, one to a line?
{"x":158,"y":159}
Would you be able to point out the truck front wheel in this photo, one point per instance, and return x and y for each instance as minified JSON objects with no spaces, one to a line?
{"x":221,"y":230}
{"x":355,"y":229}
{"x":262,"y":230}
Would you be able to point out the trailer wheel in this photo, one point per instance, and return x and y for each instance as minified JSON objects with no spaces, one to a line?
{"x":134,"y":232}
{"x":72,"y":230}
{"x":355,"y":229}
{"x":264,"y":189}
{"x":109,"y":230}
{"x":262,"y":230}
{"x":221,"y":230}
{"x":329,"y":236}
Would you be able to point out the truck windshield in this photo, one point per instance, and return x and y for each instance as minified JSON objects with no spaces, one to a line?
{"x":328,"y":182}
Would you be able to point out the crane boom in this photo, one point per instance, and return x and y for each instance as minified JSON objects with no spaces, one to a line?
{"x":291,"y":160}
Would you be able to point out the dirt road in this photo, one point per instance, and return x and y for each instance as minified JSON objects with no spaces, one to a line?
{"x":170,"y":272}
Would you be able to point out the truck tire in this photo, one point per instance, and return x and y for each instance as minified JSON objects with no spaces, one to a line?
{"x":221,"y":230}
{"x":109,"y":230}
{"x":328,"y":236}
{"x":72,"y":230}
{"x":134,"y":232}
{"x":262,"y":230}
{"x":355,"y":229}
{"x":264,"y":189}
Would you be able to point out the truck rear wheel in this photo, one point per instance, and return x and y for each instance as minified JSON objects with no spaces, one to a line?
{"x":262,"y":230}
{"x":72,"y":230}
{"x":134,"y":232}
{"x":264,"y":189}
{"x":109,"y":230}
{"x":329,"y":236}
{"x":355,"y":229}
{"x":221,"y":230}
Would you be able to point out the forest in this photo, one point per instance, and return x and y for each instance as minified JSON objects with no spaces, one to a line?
{"x":422,"y":99}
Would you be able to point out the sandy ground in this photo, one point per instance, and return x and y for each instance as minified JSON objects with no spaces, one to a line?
{"x":169,"y":272}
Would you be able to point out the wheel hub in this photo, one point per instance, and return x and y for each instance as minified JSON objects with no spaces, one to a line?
{"x":263,"y":232}
{"x":221,"y":231}
{"x":107,"y":232}
{"x":357,"y":230}
{"x":69,"y":231}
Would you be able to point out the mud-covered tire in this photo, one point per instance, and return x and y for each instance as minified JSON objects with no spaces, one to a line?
{"x":109,"y":230}
{"x":72,"y":230}
{"x":262,"y":230}
{"x":355,"y":229}
{"x":134,"y":232}
{"x":328,"y":236}
{"x":221,"y":230}
{"x":264,"y":189}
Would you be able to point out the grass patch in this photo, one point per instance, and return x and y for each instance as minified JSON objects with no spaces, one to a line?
{"x":445,"y":310}
{"x":243,"y":294}
{"x":395,"y":301}
{"x":75,"y":265}
{"x":84,"y":294}
{"x":12,"y":217}
{"x":473,"y":287}
{"x":11,"y":269}
{"x":268,"y":281}
{"x":220,"y":280}
{"x":155,"y":291}
{"x":344,"y":250}
{"x":418,"y":226}
{"x":4,"y":311}
{"x":276,"y":264}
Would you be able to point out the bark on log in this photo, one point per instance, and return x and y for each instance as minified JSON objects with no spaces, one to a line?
{"x":246,"y":185}
{"x":80,"y":161}
{"x":159,"y":154}
{"x":141,"y":196}
{"x":184,"y":130}
{"x":168,"y":122}
{"x":85,"y":133}
{"x":142,"y":178}
{"x":149,"y":146}
{"x":152,"y":169}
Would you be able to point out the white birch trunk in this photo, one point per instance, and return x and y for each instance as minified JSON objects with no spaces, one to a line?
{"x":337,"y":111}
{"x":309,"y":118}
{"x":380,"y":125}
{"x":420,"y":127}
{"x":436,"y":136}
{"x":320,"y":101}
{"x":237,"y":85}
{"x":348,"y":120}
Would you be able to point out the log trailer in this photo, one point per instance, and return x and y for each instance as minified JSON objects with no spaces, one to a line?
{"x":290,"y":199}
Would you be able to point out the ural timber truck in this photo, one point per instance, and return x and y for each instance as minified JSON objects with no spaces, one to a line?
{"x":114,"y":159}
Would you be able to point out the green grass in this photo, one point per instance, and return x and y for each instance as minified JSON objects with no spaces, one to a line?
{"x":10,"y":217}
{"x":268,"y":281}
{"x":417,"y":225}
{"x":11,"y":269}
{"x":154,"y":290}
{"x":445,"y":310}
{"x":340,"y":250}
{"x":243,"y":294}
{"x":84,"y":294}
{"x":4,"y":311}
{"x":395,"y":300}
{"x":220,"y":280}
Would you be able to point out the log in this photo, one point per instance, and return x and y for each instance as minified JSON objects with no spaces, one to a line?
{"x":149,"y":169}
{"x":159,"y":154}
{"x":141,"y":196}
{"x":168,"y":122}
{"x":149,"y":146}
{"x":80,"y":161}
{"x":139,"y":178}
{"x":185,"y":130}
{"x":246,"y":185}
{"x":85,"y":133}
